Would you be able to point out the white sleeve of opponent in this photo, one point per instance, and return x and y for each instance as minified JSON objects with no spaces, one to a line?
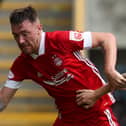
{"x":87,"y":40}
{"x":13,"y":84}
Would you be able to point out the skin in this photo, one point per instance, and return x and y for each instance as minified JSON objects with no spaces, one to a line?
{"x":87,"y":98}
{"x":27,"y":36}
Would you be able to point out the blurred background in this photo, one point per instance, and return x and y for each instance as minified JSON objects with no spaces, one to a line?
{"x":31,"y":105}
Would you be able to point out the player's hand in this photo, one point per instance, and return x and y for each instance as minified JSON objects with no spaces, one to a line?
{"x":124,"y":87}
{"x":86,"y":98}
{"x":116,"y":79}
{"x":124,"y":75}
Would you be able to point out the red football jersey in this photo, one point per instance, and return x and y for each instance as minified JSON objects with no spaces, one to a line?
{"x":61,"y":70}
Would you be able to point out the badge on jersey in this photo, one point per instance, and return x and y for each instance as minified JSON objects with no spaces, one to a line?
{"x":57,"y":61}
{"x":76,"y":36}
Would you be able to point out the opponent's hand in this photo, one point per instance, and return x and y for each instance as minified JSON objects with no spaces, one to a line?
{"x":86,"y":98}
{"x":116,"y":79}
{"x":123,"y":87}
{"x":124,"y":75}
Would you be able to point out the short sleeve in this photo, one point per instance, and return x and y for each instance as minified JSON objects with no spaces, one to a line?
{"x":71,"y":41}
{"x":16,"y":74}
{"x":82,"y":40}
{"x":13,"y":84}
{"x":87,"y":40}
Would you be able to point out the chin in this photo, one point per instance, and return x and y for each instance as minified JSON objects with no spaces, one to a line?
{"x":27,"y":52}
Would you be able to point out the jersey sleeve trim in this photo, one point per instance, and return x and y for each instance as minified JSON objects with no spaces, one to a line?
{"x":87,"y":40}
{"x":13,"y":84}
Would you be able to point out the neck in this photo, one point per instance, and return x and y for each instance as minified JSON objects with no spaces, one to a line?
{"x":38,"y":43}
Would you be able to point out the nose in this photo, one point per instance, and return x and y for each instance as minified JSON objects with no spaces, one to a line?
{"x":21,"y":39}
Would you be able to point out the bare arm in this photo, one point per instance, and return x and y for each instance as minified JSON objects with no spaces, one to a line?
{"x":87,"y":98}
{"x":6,"y":95}
{"x":108,"y":42}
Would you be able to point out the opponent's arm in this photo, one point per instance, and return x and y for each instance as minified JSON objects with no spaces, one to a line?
{"x":108,"y":42}
{"x":87,"y":97}
{"x":6,"y":95}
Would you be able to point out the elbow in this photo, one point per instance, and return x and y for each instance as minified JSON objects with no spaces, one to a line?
{"x":110,"y":38}
{"x":110,"y":34}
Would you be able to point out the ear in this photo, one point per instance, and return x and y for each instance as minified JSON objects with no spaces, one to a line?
{"x":39,"y":29}
{"x":39,"y":26}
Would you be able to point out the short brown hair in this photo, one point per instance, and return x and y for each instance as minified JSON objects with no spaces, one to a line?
{"x":21,"y":14}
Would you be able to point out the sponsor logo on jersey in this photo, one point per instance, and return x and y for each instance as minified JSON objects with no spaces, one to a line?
{"x":60,"y":78}
{"x":76,"y":36}
{"x":57,"y":61}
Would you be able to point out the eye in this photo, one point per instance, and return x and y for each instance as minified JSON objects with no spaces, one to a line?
{"x":25,"y":34}
{"x":15,"y":35}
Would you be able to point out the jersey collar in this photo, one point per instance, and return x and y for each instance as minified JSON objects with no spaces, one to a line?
{"x":41,"y":47}
{"x":42,"y":44}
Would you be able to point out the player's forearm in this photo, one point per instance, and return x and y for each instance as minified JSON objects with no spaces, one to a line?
{"x":107,"y":88}
{"x":2,"y":102}
{"x":6,"y":95}
{"x":87,"y":98}
{"x":110,"y":51}
{"x":103,"y":90}
{"x":2,"y":106}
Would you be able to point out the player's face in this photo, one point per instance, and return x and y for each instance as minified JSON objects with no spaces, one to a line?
{"x":27,"y":36}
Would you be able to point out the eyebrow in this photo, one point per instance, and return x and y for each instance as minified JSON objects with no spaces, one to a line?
{"x":14,"y":33}
{"x":23,"y":31}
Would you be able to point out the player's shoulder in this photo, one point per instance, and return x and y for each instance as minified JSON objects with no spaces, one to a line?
{"x":20,"y":64}
{"x":57,"y":34}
